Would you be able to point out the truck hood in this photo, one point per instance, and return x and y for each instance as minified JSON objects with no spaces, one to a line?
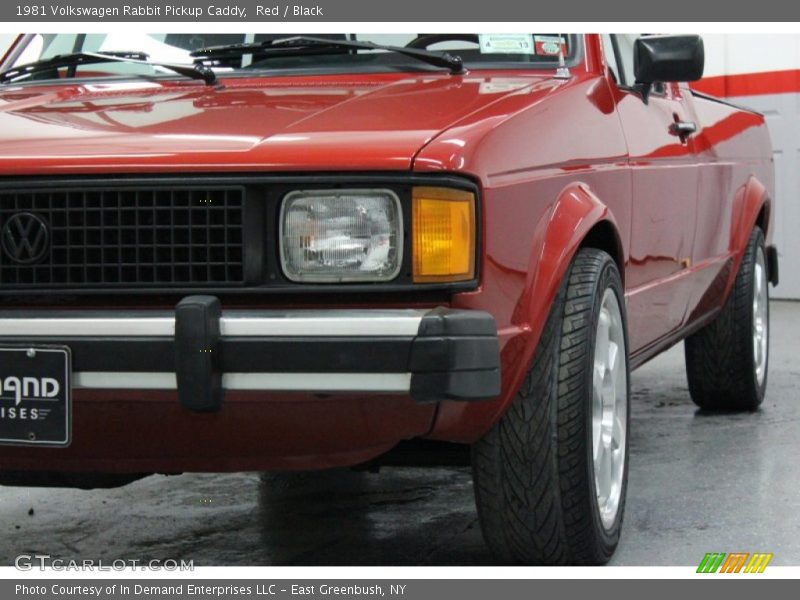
{"x":370,"y":122}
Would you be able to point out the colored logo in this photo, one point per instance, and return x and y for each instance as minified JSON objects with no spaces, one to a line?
{"x":735,"y":562}
{"x":25,"y":238}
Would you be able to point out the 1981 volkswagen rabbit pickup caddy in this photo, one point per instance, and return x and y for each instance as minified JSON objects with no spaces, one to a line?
{"x":255,"y":252}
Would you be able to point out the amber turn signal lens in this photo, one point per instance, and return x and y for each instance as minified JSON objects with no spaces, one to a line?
{"x":443,"y":234}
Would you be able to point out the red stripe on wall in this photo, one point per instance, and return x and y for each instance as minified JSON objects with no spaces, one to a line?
{"x":750,"y":84}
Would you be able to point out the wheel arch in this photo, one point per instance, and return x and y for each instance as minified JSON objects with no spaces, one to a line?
{"x":752,"y":207}
{"x":763,"y":218}
{"x":604,"y":236}
{"x":576,"y":219}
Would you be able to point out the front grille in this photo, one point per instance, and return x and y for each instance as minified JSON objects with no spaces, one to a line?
{"x":122,"y":238}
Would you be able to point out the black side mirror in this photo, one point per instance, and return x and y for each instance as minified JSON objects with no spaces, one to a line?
{"x":666,"y":58}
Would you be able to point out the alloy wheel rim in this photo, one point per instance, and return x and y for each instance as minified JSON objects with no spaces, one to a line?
{"x":760,"y":317}
{"x":609,"y":408}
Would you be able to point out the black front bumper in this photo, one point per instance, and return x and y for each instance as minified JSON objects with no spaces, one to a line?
{"x":201,"y":351}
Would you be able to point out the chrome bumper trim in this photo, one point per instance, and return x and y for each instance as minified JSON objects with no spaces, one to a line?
{"x":390,"y":383}
{"x":305,"y":323}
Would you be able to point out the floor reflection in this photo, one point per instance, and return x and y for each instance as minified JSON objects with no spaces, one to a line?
{"x":344,"y":517}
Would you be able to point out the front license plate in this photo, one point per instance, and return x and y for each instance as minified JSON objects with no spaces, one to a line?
{"x":35,"y":403}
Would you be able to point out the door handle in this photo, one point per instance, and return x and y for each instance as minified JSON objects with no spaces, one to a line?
{"x":683,"y":129}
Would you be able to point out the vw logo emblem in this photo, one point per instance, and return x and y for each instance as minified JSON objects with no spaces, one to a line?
{"x":25,"y":238}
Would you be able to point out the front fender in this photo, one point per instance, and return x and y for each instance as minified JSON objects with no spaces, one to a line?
{"x":555,"y":240}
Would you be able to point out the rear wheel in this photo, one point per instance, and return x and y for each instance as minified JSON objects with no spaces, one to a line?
{"x":727,"y":361}
{"x":551,"y":475}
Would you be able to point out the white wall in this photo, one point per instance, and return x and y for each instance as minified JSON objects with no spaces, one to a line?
{"x":5,"y":41}
{"x":738,"y":56}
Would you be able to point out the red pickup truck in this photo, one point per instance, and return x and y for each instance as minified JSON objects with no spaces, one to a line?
{"x":261,"y":252}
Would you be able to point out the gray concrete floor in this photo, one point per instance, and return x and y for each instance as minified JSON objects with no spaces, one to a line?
{"x":698,"y":483}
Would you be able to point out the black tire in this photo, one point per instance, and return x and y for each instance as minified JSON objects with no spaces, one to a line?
{"x":533,"y":471}
{"x":720,"y":362}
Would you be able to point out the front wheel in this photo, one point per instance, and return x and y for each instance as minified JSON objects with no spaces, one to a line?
{"x":551,"y":475}
{"x":727,"y":360}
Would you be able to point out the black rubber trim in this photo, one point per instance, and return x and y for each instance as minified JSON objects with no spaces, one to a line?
{"x":197,"y":353}
{"x":454,"y":356}
{"x":772,"y":265}
{"x":240,"y":354}
{"x":446,"y":321}
{"x":455,"y":385}
{"x":109,"y":354}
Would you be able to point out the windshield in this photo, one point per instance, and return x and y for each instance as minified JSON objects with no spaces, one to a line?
{"x":524,"y":51}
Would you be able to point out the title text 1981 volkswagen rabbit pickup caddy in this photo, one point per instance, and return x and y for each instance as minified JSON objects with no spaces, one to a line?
{"x":255,"y":252}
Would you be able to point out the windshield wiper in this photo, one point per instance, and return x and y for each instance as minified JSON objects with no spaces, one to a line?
{"x":77,"y":59}
{"x":300,"y":45}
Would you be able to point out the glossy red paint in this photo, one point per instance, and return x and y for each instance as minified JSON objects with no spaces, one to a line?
{"x":555,"y":159}
{"x":135,"y":431}
{"x":334,"y":123}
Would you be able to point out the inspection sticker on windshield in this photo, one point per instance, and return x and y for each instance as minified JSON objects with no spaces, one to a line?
{"x":550,"y":45}
{"x":506,"y":43}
